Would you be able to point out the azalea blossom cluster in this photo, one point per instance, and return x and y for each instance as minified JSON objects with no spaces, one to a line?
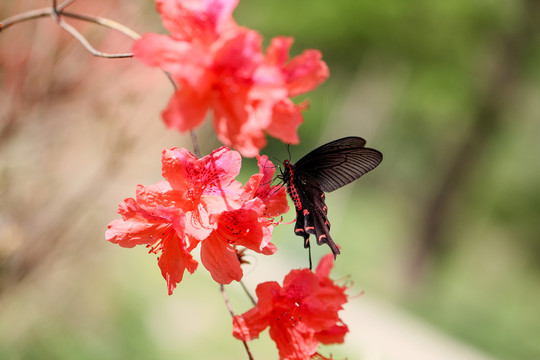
{"x":220,"y":66}
{"x":200,"y":202}
{"x":301,"y":314}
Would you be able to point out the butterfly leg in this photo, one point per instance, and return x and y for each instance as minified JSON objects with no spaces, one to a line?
{"x":309,"y":253}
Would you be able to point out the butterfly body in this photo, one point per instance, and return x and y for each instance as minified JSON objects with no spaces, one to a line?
{"x":324,"y":169}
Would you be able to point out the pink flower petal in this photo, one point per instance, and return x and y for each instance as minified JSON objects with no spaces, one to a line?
{"x":334,"y":335}
{"x":293,"y":344}
{"x":277,"y":53}
{"x":305,"y":72}
{"x":136,"y":227}
{"x":186,"y":109}
{"x":325,"y":266}
{"x":184,"y":60}
{"x":174,"y":260}
{"x":196,"y":19}
{"x":220,"y":260}
{"x":287,"y":117}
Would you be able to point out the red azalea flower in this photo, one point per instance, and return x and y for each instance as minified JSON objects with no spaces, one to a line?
{"x":207,"y":183}
{"x":301,"y":314}
{"x":249,"y":226}
{"x":159,"y":228}
{"x":220,"y":66}
{"x":200,"y":200}
{"x":245,"y":227}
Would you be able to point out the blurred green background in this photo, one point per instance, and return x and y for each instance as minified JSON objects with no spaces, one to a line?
{"x":446,"y":228}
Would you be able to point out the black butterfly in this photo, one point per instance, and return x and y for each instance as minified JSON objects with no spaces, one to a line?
{"x":324,"y":169}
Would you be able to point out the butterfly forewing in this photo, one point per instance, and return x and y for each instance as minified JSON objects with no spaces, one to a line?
{"x":339,"y":162}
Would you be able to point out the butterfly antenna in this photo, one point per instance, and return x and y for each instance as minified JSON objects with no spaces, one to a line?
{"x":277,"y":161}
{"x":289,"y":151}
{"x":268,"y":167}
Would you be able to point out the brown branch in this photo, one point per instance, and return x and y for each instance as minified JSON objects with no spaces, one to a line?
{"x":226,"y":299}
{"x":103,"y":22}
{"x":64,"y":5}
{"x":251,"y":298}
{"x":80,"y":38}
{"x":25,"y":16}
{"x":195,"y":144}
{"x":34,"y":14}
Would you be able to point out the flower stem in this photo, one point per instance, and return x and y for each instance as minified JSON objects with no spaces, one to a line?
{"x":248,"y":293}
{"x":226,"y":299}
{"x":195,"y":144}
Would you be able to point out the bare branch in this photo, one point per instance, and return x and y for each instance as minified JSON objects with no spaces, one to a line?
{"x":103,"y":22}
{"x":28,"y":15}
{"x":55,"y":14}
{"x":64,"y":5}
{"x":195,"y":144}
{"x":226,"y":299}
{"x":79,"y":37}
{"x":247,"y":293}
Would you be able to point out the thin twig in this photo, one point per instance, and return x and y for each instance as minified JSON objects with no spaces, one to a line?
{"x":55,"y":13}
{"x":247,"y":293}
{"x":34,"y":14}
{"x":226,"y":299}
{"x":64,"y":5}
{"x":28,"y":15}
{"x":103,"y":22}
{"x":79,"y":37}
{"x":195,"y":144}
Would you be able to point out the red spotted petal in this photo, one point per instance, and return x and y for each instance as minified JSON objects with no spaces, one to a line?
{"x":201,"y":20}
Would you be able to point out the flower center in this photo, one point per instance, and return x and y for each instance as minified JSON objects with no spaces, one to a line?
{"x":288,"y":316}
{"x":162,"y":236}
{"x":230,"y":227}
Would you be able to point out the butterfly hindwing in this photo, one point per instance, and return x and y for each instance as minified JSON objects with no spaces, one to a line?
{"x":312,"y":217}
